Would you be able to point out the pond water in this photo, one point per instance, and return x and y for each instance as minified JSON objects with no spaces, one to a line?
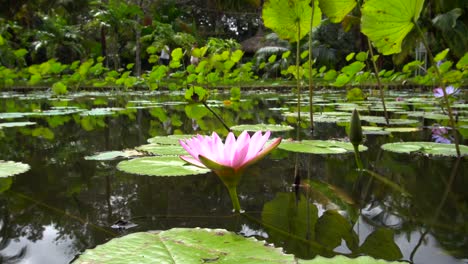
{"x":415,"y":209}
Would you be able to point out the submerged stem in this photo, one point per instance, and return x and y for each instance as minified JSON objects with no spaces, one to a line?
{"x":235,"y":200}
{"x":357,"y":156}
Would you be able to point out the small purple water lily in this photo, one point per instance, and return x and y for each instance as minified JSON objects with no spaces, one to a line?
{"x":438,"y":92}
{"x":440,"y":135}
{"x":228,"y":160}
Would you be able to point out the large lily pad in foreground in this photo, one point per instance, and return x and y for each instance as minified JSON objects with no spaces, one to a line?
{"x":427,"y":148}
{"x":159,"y":166}
{"x":184,"y":246}
{"x":196,"y":245}
{"x":10,"y":168}
{"x":319,"y":146}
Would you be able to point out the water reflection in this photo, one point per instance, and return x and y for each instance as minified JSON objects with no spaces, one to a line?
{"x":66,"y":204}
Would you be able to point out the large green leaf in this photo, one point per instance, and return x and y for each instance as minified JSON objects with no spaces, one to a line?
{"x":10,"y":168}
{"x":345,"y":260}
{"x":380,"y":244}
{"x":332,"y":227}
{"x":387,"y":23}
{"x":159,"y":166}
{"x":336,"y":10}
{"x":287,"y":18}
{"x":184,"y":246}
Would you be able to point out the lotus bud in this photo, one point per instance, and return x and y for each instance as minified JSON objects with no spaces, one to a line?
{"x":355,"y":131}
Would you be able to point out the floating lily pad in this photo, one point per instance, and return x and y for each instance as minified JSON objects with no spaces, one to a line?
{"x":403,"y":129}
{"x":17,"y":124}
{"x":101,"y":111}
{"x":319,"y":146}
{"x":162,"y":149}
{"x":11,"y":115}
{"x":10,"y":168}
{"x":184,"y":245}
{"x":428,"y":148}
{"x":381,"y":120}
{"x":262,"y":127}
{"x":159,"y":166}
{"x":112,"y":155}
{"x":55,"y":112}
{"x":169,"y":140}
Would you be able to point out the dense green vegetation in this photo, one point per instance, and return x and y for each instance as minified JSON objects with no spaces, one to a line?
{"x":117,"y":43}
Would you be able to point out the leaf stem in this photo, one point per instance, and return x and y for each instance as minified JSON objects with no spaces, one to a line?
{"x":441,"y":83}
{"x":217,"y":116}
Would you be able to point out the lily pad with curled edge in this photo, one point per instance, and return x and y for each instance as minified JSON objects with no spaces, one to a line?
{"x":262,"y":127}
{"x":112,"y":155}
{"x":427,"y":148}
{"x":319,"y":146}
{"x":162,"y":149}
{"x":10,"y":168}
{"x":182,"y":246}
{"x":169,"y":140}
{"x":160,"y":166}
{"x":17,"y":124}
{"x":11,"y":115}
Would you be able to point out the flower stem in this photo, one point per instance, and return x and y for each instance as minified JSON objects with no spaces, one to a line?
{"x":235,"y":200}
{"x":357,"y":156}
{"x":217,"y":116}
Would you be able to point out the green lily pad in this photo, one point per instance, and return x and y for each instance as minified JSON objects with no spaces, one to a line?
{"x":381,"y":120}
{"x":319,"y":146}
{"x":168,"y":140}
{"x":112,"y":155}
{"x":101,"y":111}
{"x":10,"y":168}
{"x":428,"y":148}
{"x":184,"y":245}
{"x":162,"y":149}
{"x":403,"y":129}
{"x":262,"y":127}
{"x":387,"y":23}
{"x":16,"y":124}
{"x":160,"y":166}
{"x":11,"y":115}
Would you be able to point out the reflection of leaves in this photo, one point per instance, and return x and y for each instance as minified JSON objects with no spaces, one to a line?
{"x":380,"y":244}
{"x":331,"y":227}
{"x":5,"y":184}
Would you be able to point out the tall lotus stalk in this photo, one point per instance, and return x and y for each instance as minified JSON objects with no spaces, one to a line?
{"x":228,"y":160}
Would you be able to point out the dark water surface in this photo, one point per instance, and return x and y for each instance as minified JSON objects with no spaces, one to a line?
{"x":66,"y":204}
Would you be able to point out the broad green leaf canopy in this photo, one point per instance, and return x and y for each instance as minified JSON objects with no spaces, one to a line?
{"x":387,"y":23}
{"x":288,"y":18}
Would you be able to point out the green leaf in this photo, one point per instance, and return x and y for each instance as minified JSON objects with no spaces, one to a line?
{"x":350,"y":56}
{"x":387,"y":23}
{"x":344,"y":260}
{"x":331,"y":227}
{"x":16,"y":124}
{"x":319,"y":146}
{"x":182,"y":246}
{"x":290,"y":19}
{"x":336,"y":10}
{"x":262,"y":127}
{"x":380,"y":244}
{"x":162,"y":150}
{"x":10,"y":168}
{"x":160,"y":166}
{"x":441,"y":55}
{"x":428,"y":148}
{"x":362,"y":56}
{"x":5,"y":184}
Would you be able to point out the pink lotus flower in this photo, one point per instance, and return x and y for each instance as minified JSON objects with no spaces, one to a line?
{"x":438,"y":92}
{"x":228,"y":160}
